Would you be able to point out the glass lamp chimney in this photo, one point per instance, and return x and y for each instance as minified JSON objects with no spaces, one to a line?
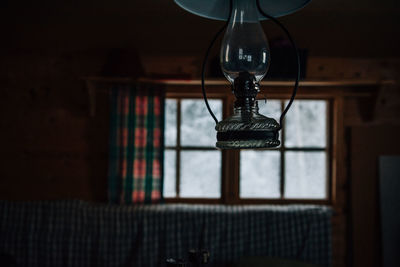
{"x":244,"y":46}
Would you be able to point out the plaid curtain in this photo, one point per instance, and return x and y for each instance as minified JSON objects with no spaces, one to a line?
{"x":136,"y":144}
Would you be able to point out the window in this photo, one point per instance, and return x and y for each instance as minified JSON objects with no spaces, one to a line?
{"x":298,"y":170}
{"x":192,"y":164}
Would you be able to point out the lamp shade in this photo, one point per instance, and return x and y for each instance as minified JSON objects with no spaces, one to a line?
{"x":219,"y":9}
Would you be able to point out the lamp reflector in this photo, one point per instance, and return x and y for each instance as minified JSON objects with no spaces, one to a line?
{"x":219,"y":9}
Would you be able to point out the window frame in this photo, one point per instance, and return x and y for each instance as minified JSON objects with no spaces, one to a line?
{"x":230,"y":165}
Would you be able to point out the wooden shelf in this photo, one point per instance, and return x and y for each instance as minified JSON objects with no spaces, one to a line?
{"x":283,"y":83}
{"x":308,"y":89}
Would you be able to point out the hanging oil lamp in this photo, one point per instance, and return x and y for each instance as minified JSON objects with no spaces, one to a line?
{"x":244,"y":59}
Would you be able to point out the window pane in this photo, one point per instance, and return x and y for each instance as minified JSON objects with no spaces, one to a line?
{"x":197,"y":126}
{"x":170,"y":122}
{"x":259,"y":174}
{"x":305,"y":175}
{"x":270,"y":109}
{"x":305,"y":124}
{"x":169,"y":173}
{"x":200,"y":174}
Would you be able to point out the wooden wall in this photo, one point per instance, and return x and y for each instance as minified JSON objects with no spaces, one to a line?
{"x":53,"y":149}
{"x":371,"y":142}
{"x":371,"y":127}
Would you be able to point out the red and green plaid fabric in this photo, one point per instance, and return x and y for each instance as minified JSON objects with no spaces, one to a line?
{"x":136,"y":144}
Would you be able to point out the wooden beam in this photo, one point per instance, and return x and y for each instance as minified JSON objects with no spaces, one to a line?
{"x":312,"y":83}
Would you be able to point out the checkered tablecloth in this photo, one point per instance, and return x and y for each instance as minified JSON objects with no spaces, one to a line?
{"x":76,"y":233}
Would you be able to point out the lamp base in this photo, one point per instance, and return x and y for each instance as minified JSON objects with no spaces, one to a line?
{"x":247,"y":130}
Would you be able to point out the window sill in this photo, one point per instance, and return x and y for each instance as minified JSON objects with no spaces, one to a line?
{"x":240,"y":202}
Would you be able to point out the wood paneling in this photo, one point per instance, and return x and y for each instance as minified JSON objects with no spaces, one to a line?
{"x":367,"y":144}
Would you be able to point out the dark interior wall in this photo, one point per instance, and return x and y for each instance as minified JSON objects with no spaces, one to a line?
{"x":357,"y":28}
{"x":371,"y":142}
{"x":51,"y":148}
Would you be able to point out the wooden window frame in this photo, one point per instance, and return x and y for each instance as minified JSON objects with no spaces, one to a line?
{"x":231,"y":158}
